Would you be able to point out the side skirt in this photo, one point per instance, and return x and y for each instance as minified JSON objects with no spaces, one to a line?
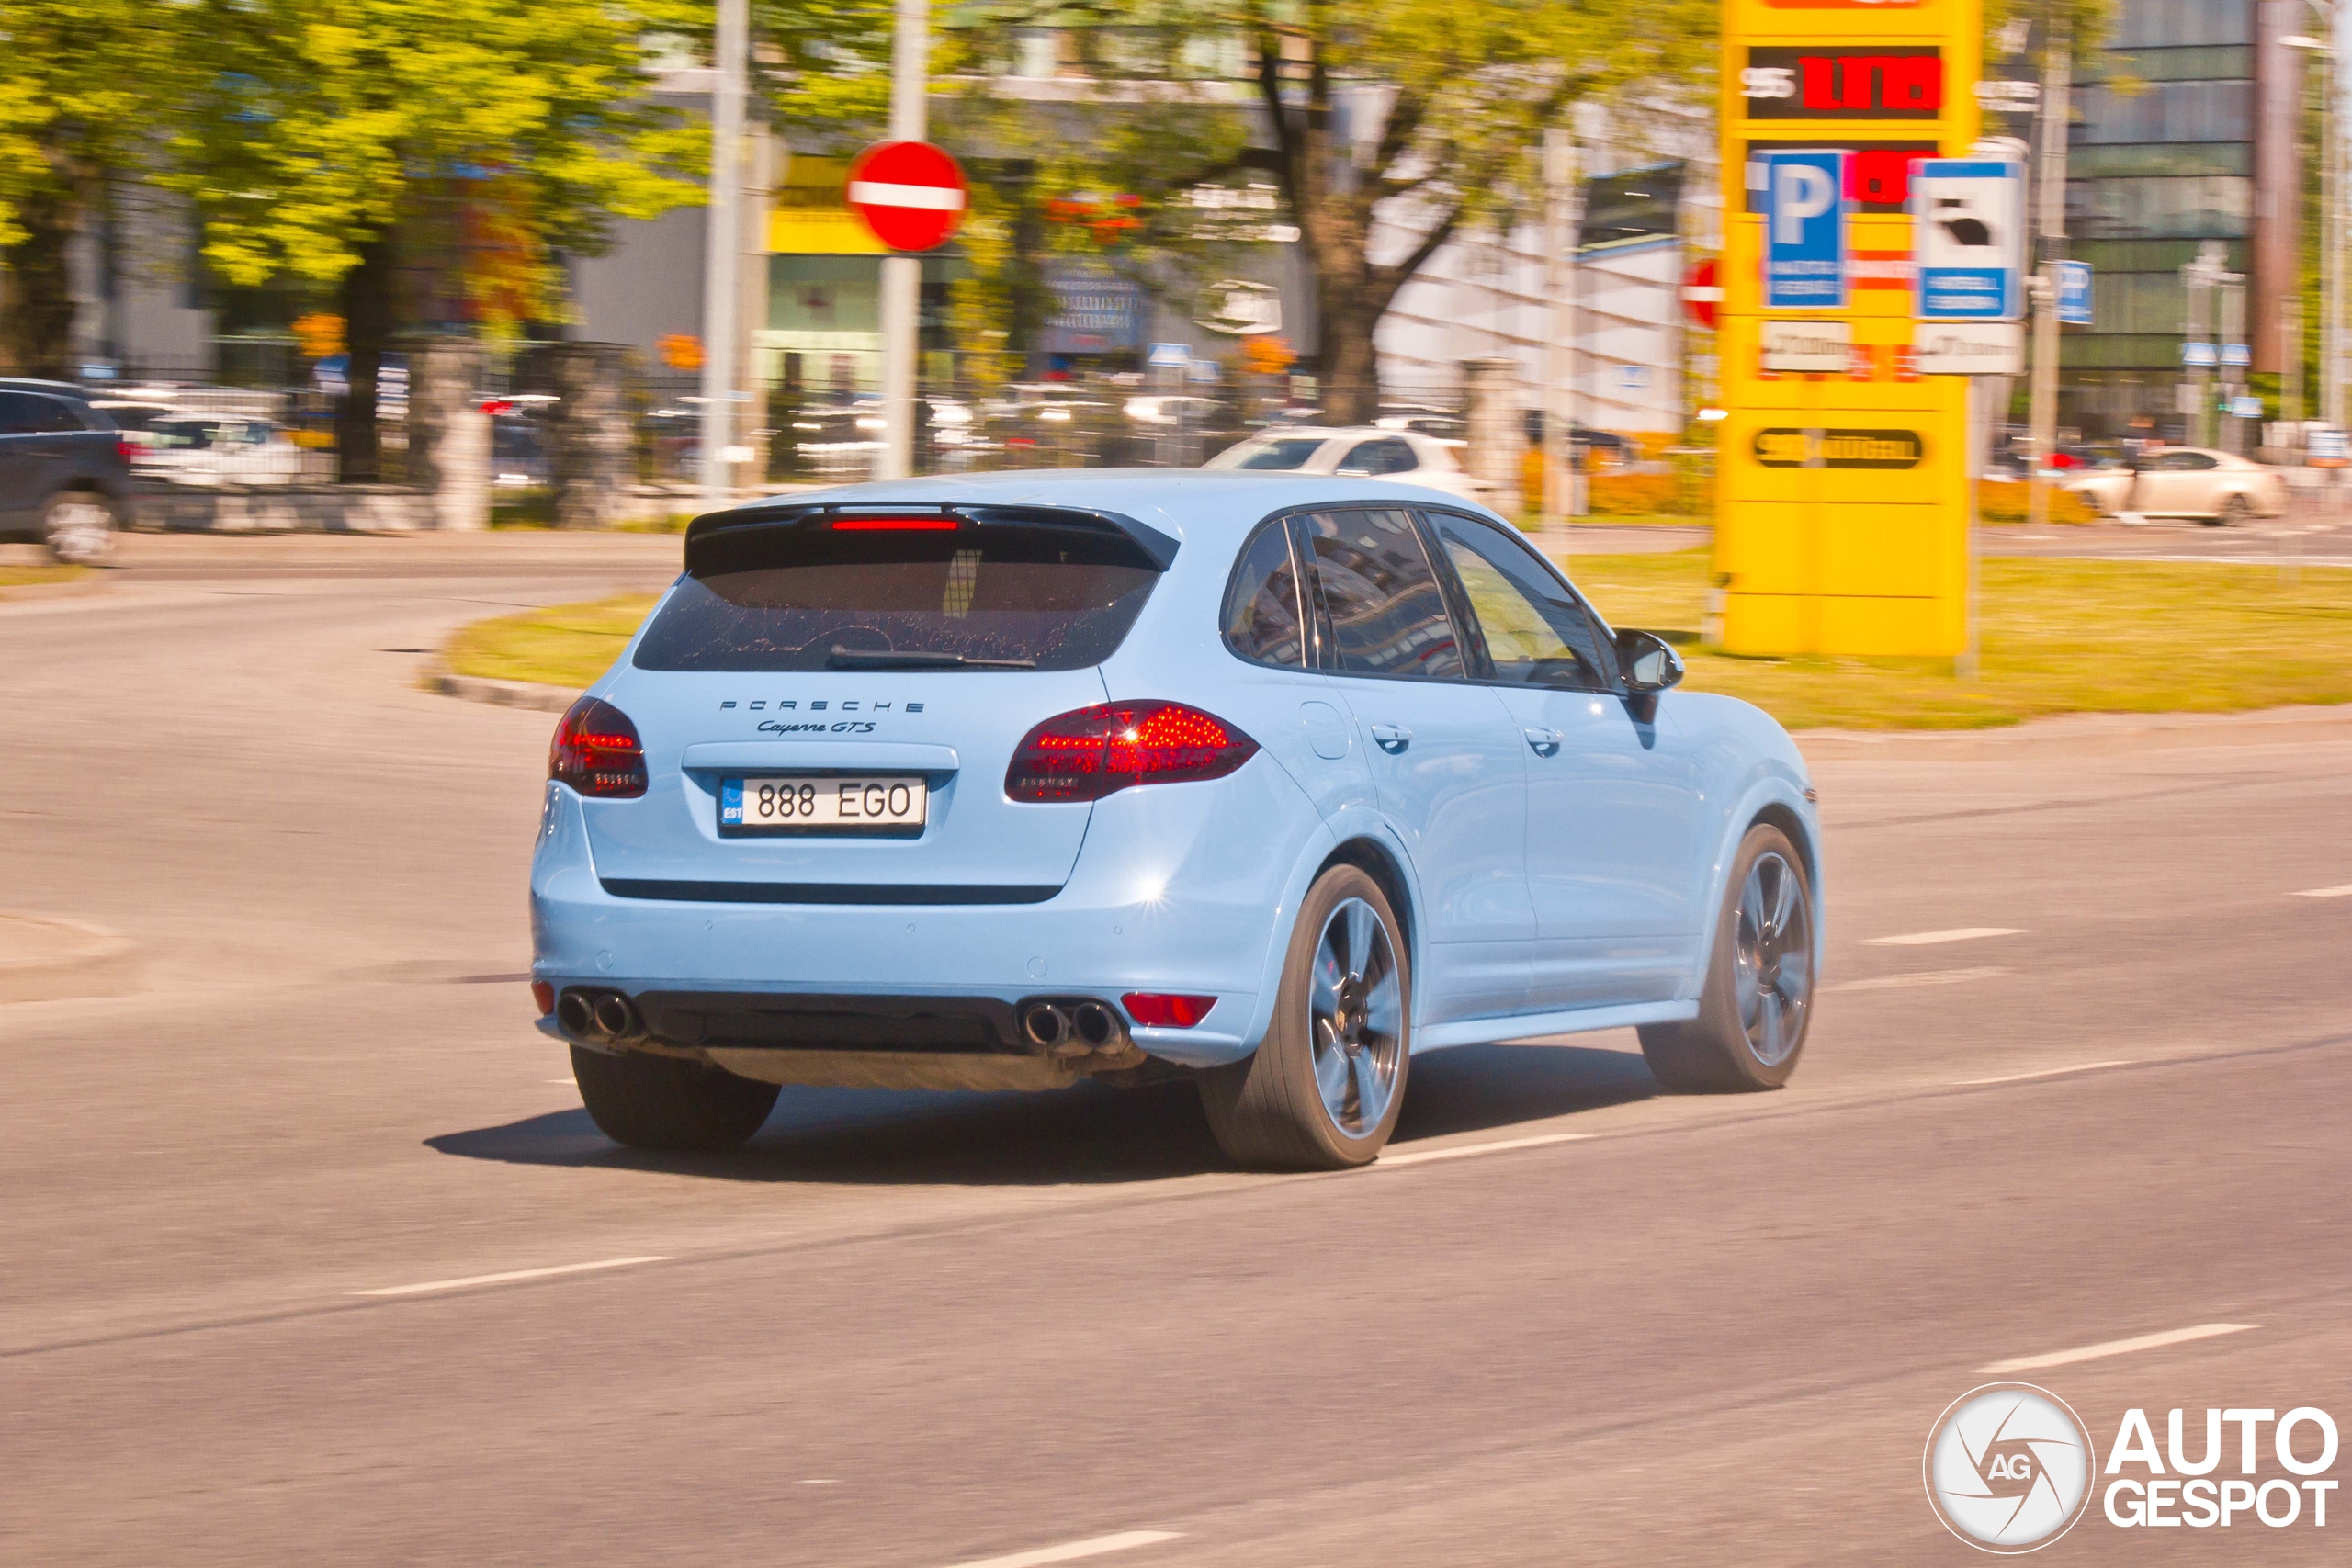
{"x":1532,"y":1025}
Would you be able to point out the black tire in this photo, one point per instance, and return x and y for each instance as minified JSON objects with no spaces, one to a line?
{"x":78,"y":526}
{"x":2235,"y":511}
{"x":1717,"y":1052}
{"x":667,"y":1102}
{"x":1270,"y":1113}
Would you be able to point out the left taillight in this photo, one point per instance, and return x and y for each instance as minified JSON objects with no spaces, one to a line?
{"x":596,"y":752}
{"x":1090,"y":752}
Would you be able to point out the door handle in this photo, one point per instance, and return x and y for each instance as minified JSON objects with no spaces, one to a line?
{"x":1392,"y":738}
{"x":1545,"y":742}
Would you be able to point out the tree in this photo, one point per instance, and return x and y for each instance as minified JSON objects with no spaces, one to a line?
{"x":84,"y":85}
{"x":1458,"y":94}
{"x":325,"y":132}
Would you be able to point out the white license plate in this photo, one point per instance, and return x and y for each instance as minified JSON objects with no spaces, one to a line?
{"x":808,"y":805}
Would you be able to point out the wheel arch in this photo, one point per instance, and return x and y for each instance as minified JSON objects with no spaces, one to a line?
{"x":1776,"y":802}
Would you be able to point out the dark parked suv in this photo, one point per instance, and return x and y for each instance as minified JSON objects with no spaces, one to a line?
{"x":64,"y":471}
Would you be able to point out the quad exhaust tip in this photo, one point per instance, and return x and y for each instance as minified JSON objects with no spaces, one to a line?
{"x":598,"y":1015}
{"x":1073,"y":1026}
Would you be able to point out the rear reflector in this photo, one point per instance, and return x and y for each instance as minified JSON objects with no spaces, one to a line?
{"x":543,"y":995}
{"x":596,"y":752}
{"x":1090,"y":752}
{"x":1154,"y":1011}
{"x":895,"y":524}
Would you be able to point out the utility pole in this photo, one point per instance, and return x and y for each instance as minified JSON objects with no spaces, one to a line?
{"x":722,"y":243}
{"x":1559,"y":390}
{"x":902,"y":274}
{"x":2057,"y":74}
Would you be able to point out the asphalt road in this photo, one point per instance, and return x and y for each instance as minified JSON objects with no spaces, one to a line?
{"x":930,"y":1330}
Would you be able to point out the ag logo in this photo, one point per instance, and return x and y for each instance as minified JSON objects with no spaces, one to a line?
{"x":2008,"y":1468}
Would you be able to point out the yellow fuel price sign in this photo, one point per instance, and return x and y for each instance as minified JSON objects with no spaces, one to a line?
{"x":1842,"y":496}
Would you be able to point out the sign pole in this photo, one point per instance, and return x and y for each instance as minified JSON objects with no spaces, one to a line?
{"x":721,"y":244}
{"x":1559,"y":371}
{"x":902,"y":274}
{"x":2057,"y":74}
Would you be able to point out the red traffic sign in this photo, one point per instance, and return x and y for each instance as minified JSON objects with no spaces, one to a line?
{"x":1702,"y":293}
{"x":910,"y":194}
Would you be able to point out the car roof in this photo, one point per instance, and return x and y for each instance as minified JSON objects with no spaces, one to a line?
{"x":1212,"y":506}
{"x":34,"y":384}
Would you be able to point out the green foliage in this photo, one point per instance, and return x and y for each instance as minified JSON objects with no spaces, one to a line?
{"x":81,"y":81}
{"x":320,"y":123}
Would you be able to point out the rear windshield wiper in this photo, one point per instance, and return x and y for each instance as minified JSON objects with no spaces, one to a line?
{"x":887,"y":659}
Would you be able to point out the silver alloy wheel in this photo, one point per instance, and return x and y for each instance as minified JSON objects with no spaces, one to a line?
{"x":1356,"y":1006}
{"x":78,"y":529}
{"x":1772,"y":959}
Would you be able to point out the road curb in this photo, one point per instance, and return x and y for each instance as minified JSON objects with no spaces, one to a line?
{"x":42,"y":960}
{"x":528,"y":694}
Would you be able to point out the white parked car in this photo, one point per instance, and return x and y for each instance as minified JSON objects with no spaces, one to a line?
{"x":2186,"y":481}
{"x":218,"y":449}
{"x":1405,"y":456}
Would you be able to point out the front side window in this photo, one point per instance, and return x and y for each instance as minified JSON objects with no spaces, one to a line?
{"x":1283,"y":453}
{"x":1375,"y":457}
{"x":1388,"y":614}
{"x":1536,"y":632}
{"x":1262,"y":623}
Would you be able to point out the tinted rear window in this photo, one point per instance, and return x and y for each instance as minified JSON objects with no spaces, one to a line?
{"x":813,"y":598}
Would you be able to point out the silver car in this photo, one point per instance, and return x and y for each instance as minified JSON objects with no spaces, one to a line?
{"x":1408,"y":456}
{"x":2186,"y":481}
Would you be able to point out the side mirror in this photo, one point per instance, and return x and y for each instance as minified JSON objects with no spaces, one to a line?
{"x":1649,"y":661}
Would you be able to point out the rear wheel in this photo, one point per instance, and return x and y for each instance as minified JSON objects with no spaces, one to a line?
{"x":1759,"y":998}
{"x":1324,"y":1090}
{"x":78,"y":527}
{"x":2234,"y":511}
{"x":666,"y":1102}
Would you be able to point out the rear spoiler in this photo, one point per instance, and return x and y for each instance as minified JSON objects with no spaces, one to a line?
{"x":1160,"y":548}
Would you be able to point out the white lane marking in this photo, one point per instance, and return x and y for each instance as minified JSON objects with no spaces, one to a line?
{"x":1094,"y":1546}
{"x":568,"y":1083}
{"x":2044,"y":1073}
{"x":1958,"y":934}
{"x":2343,"y":892}
{"x":508,"y":1277}
{"x":2116,"y":1347}
{"x":1925,"y":978}
{"x":886,"y":193}
{"x":1463,"y":1151}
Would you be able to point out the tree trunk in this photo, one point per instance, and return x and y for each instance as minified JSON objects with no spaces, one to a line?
{"x":366,"y":326}
{"x":1350,"y":370}
{"x":37,"y":316}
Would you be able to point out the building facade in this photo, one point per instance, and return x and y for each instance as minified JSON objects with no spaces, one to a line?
{"x":2186,"y":135}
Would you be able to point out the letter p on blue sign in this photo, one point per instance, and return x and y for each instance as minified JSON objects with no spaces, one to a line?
{"x":1804,"y":230}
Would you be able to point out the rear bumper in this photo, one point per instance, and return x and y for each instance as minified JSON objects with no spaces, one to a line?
{"x":1178,"y":888}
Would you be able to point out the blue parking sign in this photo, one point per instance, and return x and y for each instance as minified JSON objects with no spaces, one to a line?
{"x":1804,"y":230}
{"x":2075,"y":293}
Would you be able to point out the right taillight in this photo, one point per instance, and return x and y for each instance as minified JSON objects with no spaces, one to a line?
{"x":596,"y":752}
{"x":1089,"y":752}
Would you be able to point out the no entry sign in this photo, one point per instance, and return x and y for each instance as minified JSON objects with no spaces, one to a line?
{"x":910,"y":193}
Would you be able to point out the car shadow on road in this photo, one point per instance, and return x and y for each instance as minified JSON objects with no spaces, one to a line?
{"x":1083,"y":1135}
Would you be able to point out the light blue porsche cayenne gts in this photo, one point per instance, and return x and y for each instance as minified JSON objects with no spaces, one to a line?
{"x":1003,"y":781}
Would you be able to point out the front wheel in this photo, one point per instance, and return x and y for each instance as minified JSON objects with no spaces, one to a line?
{"x":1324,"y":1090}
{"x":667,"y":1102}
{"x":2235,"y":512}
{"x":1758,"y":996}
{"x":78,"y":527}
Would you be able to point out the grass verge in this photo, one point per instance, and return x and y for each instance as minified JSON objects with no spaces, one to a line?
{"x":39,"y":576}
{"x":2058,"y":636}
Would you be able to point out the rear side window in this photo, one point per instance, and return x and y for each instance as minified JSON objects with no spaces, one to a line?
{"x":1261,"y":613}
{"x":29,"y":413}
{"x":1390,"y":457}
{"x":819,"y":596}
{"x":1387,"y":615}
